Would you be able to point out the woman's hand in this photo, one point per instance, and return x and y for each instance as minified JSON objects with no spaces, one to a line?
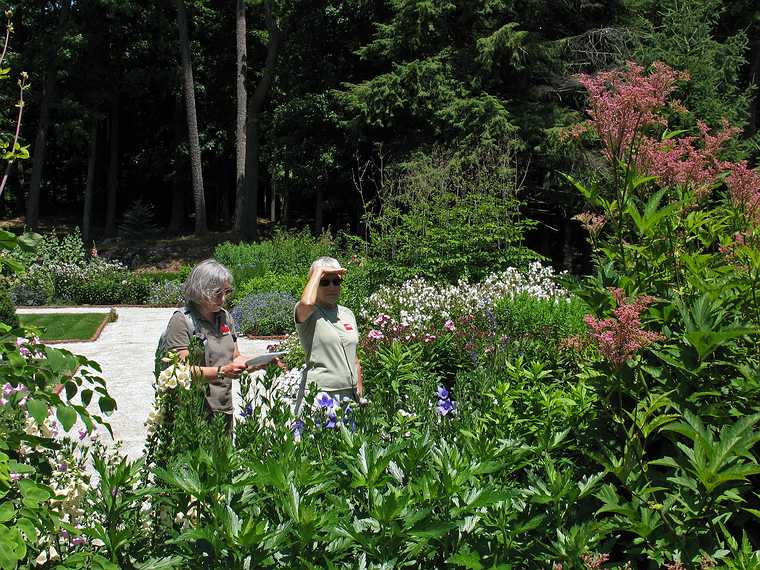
{"x":233,"y":369}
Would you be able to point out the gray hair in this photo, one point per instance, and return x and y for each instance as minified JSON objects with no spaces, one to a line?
{"x":205,"y":281}
{"x":324,"y":261}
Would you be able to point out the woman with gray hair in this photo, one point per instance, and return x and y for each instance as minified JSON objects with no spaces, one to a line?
{"x":204,"y":317}
{"x":328,"y":333}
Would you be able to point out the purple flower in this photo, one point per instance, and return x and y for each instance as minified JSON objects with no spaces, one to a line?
{"x":247,"y":411}
{"x":22,"y":403}
{"x":82,"y":434}
{"x":77,"y":540}
{"x":445,"y":406}
{"x":381,"y":319}
{"x":332,"y":421}
{"x":3,"y":401}
{"x":21,"y":388}
{"x":64,"y":534}
{"x":63,"y":467}
{"x":14,"y":476}
{"x":449,"y":325}
{"x":8,"y":390}
{"x":25,"y":352}
{"x":297,"y":428}
{"x":20,"y":341}
{"x":428,"y":337}
{"x":375,"y":335}
{"x":443,"y":393}
{"x":325,"y":401}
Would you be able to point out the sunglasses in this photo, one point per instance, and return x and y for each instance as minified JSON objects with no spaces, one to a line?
{"x":324,"y":282}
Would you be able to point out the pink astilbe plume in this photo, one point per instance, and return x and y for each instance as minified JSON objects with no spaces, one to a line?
{"x":620,"y":337}
{"x":623,"y":102}
{"x":686,"y":161}
{"x":744,"y":185}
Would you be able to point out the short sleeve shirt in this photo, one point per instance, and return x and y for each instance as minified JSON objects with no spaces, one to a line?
{"x":219,"y":342}
{"x":330,"y":337}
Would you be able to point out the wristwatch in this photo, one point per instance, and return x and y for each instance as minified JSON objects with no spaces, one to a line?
{"x":219,"y":375}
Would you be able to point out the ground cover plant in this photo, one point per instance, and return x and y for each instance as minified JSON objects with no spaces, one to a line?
{"x":522,"y":419}
{"x":65,"y":326}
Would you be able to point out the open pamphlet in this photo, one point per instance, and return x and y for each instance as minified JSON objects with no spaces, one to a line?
{"x":263,"y":359}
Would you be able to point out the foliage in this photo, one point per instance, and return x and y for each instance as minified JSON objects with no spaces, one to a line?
{"x":166,"y":292}
{"x":443,"y":218}
{"x":99,"y":282}
{"x":35,"y":287}
{"x":264,"y":313}
{"x":138,"y":221}
{"x":536,"y":328}
{"x":8,"y":310}
{"x":287,"y":253}
{"x":269,"y":282}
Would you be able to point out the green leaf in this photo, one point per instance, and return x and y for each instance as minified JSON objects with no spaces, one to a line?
{"x":107,"y":404}
{"x":67,"y":416}
{"x":7,"y":240}
{"x":7,"y":512}
{"x":466,"y":558}
{"x":38,"y":409}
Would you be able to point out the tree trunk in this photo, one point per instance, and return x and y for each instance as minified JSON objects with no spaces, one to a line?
{"x":242,"y":108}
{"x":754,"y":77}
{"x":273,"y":205}
{"x":178,"y":196}
{"x":20,"y":201}
{"x":90,"y":185}
{"x":40,"y":144}
{"x":196,"y":169}
{"x":113,"y":165}
{"x":249,"y":212}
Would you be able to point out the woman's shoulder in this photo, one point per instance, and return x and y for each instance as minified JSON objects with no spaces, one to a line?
{"x":344,"y":312}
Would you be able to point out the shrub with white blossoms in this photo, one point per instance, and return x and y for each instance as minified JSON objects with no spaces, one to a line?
{"x":419,"y":306}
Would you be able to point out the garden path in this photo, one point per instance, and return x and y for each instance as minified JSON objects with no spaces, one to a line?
{"x":125,"y":352}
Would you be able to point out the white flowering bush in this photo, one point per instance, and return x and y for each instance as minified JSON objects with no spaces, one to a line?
{"x":175,"y":376}
{"x":419,"y":306}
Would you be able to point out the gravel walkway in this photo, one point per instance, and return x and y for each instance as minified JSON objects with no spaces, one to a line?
{"x":125,"y":352}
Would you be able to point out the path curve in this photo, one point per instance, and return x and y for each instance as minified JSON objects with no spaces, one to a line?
{"x":125,"y":352}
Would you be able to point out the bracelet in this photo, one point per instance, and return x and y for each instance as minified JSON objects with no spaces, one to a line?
{"x":219,"y":375}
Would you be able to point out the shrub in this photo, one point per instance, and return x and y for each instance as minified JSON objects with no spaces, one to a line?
{"x":535,"y":327}
{"x":53,"y":249}
{"x":7,"y":310}
{"x":99,"y":282}
{"x":166,"y":293}
{"x":269,"y":282}
{"x":265,"y":313}
{"x":34,"y":288}
{"x":287,"y":253}
{"x":138,"y":221}
{"x":444,"y":218}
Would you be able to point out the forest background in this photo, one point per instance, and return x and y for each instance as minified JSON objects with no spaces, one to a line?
{"x":303,"y":113}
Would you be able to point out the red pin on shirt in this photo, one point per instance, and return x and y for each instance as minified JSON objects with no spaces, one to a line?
{"x":224,"y":328}
{"x":348,"y":326}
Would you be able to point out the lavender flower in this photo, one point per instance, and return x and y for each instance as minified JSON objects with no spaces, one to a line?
{"x":297,"y":428}
{"x":443,"y":393}
{"x":445,"y":406}
{"x":325,"y":401}
{"x":247,"y":411}
{"x":8,"y":390}
{"x":332,"y":420}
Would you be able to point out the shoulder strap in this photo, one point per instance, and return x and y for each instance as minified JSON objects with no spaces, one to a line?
{"x":192,"y":323}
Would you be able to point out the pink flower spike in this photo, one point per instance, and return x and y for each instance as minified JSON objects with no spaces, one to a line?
{"x":20,"y":341}
{"x":22,"y":403}
{"x":14,"y":476}
{"x":3,"y":401}
{"x":449,"y":325}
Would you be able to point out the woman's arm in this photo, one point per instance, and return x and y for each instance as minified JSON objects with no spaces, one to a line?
{"x":305,"y":306}
{"x":208,"y":373}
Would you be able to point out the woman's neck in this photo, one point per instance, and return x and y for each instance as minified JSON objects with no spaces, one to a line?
{"x":326,"y":305}
{"x":206,"y":314}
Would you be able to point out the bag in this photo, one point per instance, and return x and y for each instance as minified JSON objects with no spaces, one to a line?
{"x":192,"y":325}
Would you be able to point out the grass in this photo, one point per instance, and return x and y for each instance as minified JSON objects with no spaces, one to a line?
{"x":65,"y":326}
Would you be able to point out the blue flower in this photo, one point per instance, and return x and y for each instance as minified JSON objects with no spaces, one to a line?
{"x":247,"y":411}
{"x":443,"y":393}
{"x":297,"y":428}
{"x":332,"y":421}
{"x":444,"y":407}
{"x":325,"y":401}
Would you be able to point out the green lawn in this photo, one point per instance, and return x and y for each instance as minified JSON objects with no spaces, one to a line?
{"x":65,"y":326}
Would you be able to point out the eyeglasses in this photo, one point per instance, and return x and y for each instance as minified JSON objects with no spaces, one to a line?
{"x":223,"y":292}
{"x":335,"y":281}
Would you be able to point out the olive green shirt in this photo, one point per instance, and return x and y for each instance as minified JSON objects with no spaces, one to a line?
{"x":219,"y":340}
{"x":330,"y":337}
